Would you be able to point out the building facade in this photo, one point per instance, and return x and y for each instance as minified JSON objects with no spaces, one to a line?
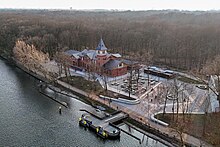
{"x":98,"y":61}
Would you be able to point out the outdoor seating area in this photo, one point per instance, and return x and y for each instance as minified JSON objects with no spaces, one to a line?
{"x":137,"y":85}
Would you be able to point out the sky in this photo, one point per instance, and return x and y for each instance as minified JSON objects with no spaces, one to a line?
{"x":113,"y":4}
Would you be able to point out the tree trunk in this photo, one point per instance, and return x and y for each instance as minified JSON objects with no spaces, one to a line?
{"x":148,"y":79}
{"x":177,"y":109}
{"x":106,"y":86}
{"x":164,"y":109}
{"x":218,"y":98}
{"x":173,"y":108}
{"x":181,"y":139}
{"x":218,"y":90}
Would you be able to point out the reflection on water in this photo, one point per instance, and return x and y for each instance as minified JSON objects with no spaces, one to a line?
{"x":30,"y":119}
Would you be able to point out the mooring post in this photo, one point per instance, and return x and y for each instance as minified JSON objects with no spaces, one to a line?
{"x":60,"y":109}
{"x":143,"y":138}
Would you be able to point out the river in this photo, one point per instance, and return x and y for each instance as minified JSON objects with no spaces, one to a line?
{"x":27,"y":118}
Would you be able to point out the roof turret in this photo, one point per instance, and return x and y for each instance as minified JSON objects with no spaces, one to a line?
{"x":101,"y":45}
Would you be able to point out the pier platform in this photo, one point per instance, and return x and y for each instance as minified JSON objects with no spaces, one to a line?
{"x":102,"y":125}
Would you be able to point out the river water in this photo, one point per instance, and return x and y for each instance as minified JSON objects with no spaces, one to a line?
{"x":27,"y":118}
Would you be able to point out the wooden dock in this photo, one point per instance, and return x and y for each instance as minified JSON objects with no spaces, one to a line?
{"x":94,"y":122}
{"x":115,"y":118}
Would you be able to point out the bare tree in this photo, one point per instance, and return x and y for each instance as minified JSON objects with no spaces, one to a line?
{"x":64,"y":63}
{"x":179,"y":128}
{"x":167,"y":89}
{"x":212,"y":68}
{"x":176,"y":89}
{"x":186,"y":92}
{"x":29,"y":56}
{"x":103,"y":75}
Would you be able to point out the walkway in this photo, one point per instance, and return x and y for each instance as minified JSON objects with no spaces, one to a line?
{"x":115,"y":117}
{"x":140,"y":117}
{"x":72,"y":88}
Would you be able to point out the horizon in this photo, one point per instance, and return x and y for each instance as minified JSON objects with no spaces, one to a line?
{"x":109,"y":10}
{"x":122,"y":5}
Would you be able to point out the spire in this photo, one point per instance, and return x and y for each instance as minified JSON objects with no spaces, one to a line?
{"x":101,"y":45}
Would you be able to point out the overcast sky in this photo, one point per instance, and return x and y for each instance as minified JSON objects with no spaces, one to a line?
{"x":114,"y":4}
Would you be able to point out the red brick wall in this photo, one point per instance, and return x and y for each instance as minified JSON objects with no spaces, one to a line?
{"x":117,"y":72}
{"x":101,"y":60}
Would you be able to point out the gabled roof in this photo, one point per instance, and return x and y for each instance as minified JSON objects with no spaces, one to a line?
{"x":90,"y":53}
{"x":84,"y":52}
{"x":101,"y":45}
{"x":116,"y":55}
{"x":108,"y":55}
{"x":111,"y":64}
{"x":75,"y":56}
{"x":128,"y":62}
{"x":71,"y":52}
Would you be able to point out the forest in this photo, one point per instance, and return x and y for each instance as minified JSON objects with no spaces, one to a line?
{"x":179,"y":39}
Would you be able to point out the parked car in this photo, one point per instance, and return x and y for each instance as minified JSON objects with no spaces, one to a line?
{"x":112,"y":83}
{"x":202,"y":86}
{"x":123,"y":86}
{"x":116,"y":84}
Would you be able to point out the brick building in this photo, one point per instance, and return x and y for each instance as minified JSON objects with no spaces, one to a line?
{"x":98,"y":60}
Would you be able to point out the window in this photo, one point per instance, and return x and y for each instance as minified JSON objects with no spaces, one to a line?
{"x":120,"y":65}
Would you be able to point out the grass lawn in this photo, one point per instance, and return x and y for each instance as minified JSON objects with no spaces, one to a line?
{"x":81,"y":83}
{"x":201,"y":126}
{"x":91,"y":86}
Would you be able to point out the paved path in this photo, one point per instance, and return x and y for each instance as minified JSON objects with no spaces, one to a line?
{"x":138,"y":113}
{"x":140,"y":117}
{"x":72,"y":88}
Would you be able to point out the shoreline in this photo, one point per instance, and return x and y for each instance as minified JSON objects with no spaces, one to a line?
{"x":90,"y":98}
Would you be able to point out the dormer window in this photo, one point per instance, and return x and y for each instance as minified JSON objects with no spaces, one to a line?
{"x":120,"y":65}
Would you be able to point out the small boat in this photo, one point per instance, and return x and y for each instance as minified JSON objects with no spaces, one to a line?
{"x":102,"y":133}
{"x":107,"y":132}
{"x":114,"y":134}
{"x":85,"y":121}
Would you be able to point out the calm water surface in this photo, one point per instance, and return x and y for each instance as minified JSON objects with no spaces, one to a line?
{"x":27,"y":118}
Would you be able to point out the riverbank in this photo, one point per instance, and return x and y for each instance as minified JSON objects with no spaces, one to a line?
{"x":165,"y":133}
{"x":92,"y":97}
{"x":156,"y":134}
{"x":28,"y":118}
